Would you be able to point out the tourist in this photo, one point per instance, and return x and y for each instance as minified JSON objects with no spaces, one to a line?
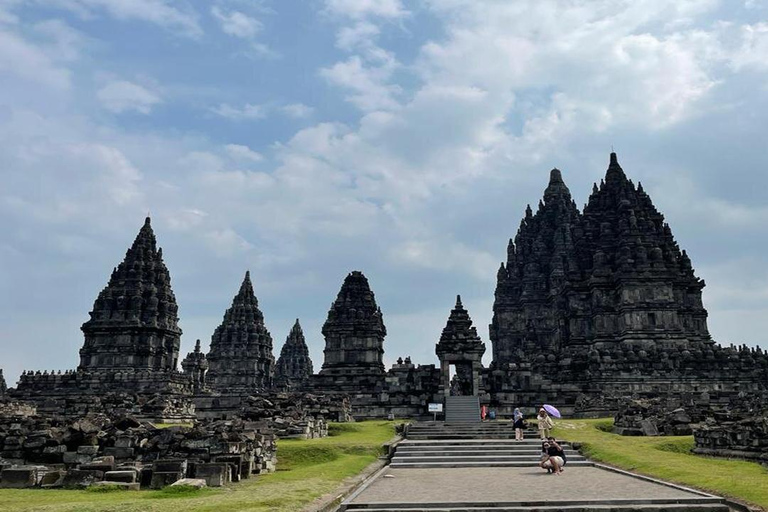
{"x":551,"y":460}
{"x":560,"y":452}
{"x":518,"y":424}
{"x":545,"y":424}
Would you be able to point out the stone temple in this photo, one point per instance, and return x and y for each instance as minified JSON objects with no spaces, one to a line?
{"x":294,"y":366}
{"x":590,"y":305}
{"x":240,"y":359}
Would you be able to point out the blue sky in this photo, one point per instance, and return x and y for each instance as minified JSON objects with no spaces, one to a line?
{"x":305,"y":139}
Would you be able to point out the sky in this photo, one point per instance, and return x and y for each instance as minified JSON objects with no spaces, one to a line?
{"x":302,"y":140}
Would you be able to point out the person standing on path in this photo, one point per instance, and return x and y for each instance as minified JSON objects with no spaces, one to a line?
{"x":544,"y":423}
{"x":518,"y":424}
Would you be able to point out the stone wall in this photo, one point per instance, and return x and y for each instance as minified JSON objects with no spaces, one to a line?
{"x":293,"y":406}
{"x":145,"y":406}
{"x":36,"y":386}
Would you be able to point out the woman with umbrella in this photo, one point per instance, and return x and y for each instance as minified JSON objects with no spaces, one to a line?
{"x":544,"y":421}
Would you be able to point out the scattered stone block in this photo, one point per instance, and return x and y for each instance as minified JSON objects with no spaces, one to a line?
{"x":215,"y":474}
{"x":103,"y":464}
{"x":88,"y":450}
{"x":52,"y":479}
{"x":126,"y":476}
{"x":21,"y":477}
{"x":80,"y":478}
{"x":163,"y":479}
{"x":198,"y":483}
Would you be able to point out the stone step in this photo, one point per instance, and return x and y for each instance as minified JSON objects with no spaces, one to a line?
{"x":483,"y":454}
{"x":460,"y":436}
{"x":476,"y":458}
{"x":457,"y":450}
{"x":475,"y":464}
{"x":473,"y":443}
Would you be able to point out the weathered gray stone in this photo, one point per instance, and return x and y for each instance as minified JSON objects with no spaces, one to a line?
{"x":80,"y":478}
{"x":197,"y":483}
{"x":128,"y":476}
{"x":214,"y":474}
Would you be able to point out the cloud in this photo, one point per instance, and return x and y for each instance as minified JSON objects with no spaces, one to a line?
{"x":122,"y":96}
{"x":236,"y":23}
{"x":31,"y":63}
{"x":158,"y":12}
{"x":369,"y":85}
{"x":297,"y":110}
{"x":356,"y":9}
{"x":242,"y":153}
{"x":246,"y":112}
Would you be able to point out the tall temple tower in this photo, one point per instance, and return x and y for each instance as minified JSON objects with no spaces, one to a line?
{"x":294,"y":367}
{"x":354,"y":331}
{"x":541,"y":261}
{"x":612,"y":276}
{"x":134,"y":323}
{"x":639,"y":284}
{"x":240,"y":358}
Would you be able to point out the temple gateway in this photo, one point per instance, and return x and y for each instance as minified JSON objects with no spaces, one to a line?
{"x":590,"y":305}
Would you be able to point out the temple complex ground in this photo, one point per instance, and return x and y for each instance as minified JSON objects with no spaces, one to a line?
{"x":306,"y":470}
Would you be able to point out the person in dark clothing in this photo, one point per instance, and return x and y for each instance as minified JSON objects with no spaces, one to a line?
{"x":561,"y":452}
{"x":552,"y":459}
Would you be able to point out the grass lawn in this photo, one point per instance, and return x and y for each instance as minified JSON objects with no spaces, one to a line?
{"x":306,"y":470}
{"x":668,"y":458}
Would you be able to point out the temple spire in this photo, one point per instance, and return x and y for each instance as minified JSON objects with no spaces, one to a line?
{"x":615,"y":172}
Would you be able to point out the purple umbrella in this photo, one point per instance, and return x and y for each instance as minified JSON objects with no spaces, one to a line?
{"x":552,"y":410}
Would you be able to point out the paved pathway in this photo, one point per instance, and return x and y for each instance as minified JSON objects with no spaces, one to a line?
{"x":459,"y":485}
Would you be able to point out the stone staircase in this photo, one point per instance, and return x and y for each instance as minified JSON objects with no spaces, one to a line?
{"x":462,"y":409}
{"x":479,"y":430}
{"x":488,"y":444}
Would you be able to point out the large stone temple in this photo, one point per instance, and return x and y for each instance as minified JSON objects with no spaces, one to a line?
{"x":589,"y":305}
{"x":240,"y":360}
{"x":354,"y":340}
{"x":294,"y":366}
{"x":132,"y":338}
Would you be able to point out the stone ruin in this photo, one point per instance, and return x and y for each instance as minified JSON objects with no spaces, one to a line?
{"x":49,"y":451}
{"x":735,"y":433}
{"x":661,"y":416}
{"x":3,"y":387}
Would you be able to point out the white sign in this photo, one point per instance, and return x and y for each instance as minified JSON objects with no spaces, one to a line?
{"x":435,"y":407}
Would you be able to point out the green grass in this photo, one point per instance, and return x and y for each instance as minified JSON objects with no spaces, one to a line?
{"x":668,"y":458}
{"x":306,"y":470}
